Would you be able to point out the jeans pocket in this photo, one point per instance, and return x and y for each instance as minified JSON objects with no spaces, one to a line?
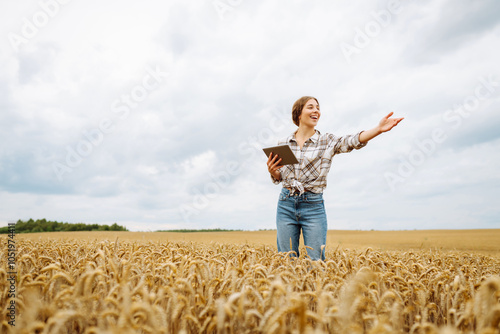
{"x":313,"y":198}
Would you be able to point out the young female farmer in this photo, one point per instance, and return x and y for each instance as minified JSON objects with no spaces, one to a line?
{"x":300,"y":204}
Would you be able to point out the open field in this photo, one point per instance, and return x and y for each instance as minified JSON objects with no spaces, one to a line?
{"x":432,"y":282}
{"x":478,"y":241}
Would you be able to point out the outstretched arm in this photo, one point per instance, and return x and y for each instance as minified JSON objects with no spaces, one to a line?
{"x":386,"y":124}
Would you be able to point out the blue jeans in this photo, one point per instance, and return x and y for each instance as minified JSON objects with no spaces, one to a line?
{"x":304,"y":212}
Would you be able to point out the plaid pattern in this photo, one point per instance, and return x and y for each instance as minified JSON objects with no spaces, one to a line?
{"x":315,"y":160}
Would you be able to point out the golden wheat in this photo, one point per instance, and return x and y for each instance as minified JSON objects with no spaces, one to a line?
{"x":84,"y":286}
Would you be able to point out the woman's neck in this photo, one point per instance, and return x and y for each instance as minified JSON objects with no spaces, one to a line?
{"x":304,"y":133}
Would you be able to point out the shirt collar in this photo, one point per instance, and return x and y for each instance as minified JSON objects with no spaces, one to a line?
{"x":314,"y":138}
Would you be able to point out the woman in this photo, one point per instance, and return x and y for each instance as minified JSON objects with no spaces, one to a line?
{"x":300,"y":205}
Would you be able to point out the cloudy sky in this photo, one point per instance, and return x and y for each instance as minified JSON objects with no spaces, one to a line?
{"x":153,"y":114}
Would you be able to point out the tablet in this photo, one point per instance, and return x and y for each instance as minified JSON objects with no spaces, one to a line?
{"x":284,"y":152}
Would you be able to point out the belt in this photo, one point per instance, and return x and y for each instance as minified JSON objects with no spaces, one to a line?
{"x":292,"y":189}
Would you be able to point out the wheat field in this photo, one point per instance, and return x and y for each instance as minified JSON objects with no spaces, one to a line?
{"x":74,"y":283}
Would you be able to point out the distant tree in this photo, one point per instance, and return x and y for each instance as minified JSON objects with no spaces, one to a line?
{"x":115,"y":227}
{"x":42,"y":225}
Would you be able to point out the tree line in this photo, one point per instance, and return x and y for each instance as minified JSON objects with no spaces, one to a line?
{"x":43,"y":225}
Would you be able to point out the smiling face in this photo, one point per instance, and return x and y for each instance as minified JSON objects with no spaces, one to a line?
{"x":310,"y":114}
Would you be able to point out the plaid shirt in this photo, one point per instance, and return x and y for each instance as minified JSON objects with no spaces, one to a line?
{"x":315,"y":160}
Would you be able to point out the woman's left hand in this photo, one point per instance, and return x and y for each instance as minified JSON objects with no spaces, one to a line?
{"x":388,"y":123}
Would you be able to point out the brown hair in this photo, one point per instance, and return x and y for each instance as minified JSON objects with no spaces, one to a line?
{"x":298,"y":106}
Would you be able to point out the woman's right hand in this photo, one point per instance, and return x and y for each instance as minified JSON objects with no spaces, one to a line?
{"x":273,"y":166}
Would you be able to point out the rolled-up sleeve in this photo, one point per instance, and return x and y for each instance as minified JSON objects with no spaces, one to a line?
{"x":348,"y":143}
